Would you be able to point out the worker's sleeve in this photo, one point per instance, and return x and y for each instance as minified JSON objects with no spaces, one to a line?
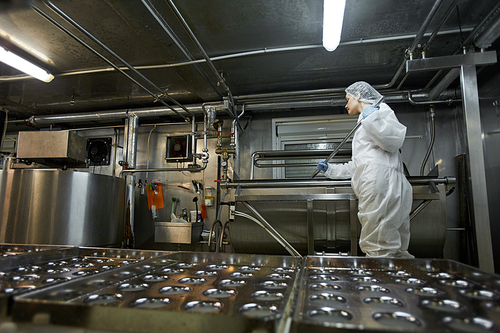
{"x":385,"y":130}
{"x":339,"y":171}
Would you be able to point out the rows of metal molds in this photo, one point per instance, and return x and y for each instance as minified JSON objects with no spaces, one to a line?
{"x":145,"y":291}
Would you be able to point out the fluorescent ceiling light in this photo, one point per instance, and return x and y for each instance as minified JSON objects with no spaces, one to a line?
{"x":25,"y":66}
{"x":333,"y":16}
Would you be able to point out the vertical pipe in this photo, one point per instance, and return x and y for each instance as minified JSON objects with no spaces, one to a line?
{"x":193,"y":139}
{"x":131,"y":138}
{"x":472,"y":117}
{"x":133,"y":124}
{"x":310,"y":227}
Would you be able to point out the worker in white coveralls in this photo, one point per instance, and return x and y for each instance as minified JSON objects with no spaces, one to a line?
{"x":376,"y":171}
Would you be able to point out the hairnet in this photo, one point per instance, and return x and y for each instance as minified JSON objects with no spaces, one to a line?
{"x":367,"y":93}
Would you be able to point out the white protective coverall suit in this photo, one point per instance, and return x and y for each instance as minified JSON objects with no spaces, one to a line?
{"x":384,"y":194}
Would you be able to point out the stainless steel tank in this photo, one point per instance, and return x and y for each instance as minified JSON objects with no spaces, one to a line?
{"x":332,"y":216}
{"x":61,"y":207}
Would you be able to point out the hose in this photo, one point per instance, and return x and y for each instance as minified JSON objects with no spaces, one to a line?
{"x":431,"y":145}
{"x":288,"y":248}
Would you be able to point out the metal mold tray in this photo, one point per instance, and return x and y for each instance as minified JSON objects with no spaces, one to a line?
{"x":390,"y":295}
{"x":181,"y":291}
{"x":27,"y":268}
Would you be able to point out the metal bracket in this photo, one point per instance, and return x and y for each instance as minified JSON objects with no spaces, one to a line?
{"x":480,"y":58}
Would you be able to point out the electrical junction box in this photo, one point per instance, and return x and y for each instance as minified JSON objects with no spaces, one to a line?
{"x":179,"y":148}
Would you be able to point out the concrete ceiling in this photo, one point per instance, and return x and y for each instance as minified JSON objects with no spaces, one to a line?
{"x":258,"y":47}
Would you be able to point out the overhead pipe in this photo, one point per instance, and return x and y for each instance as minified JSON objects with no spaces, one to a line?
{"x":220,"y":79}
{"x":163,"y":23}
{"x":19,"y":77}
{"x":86,"y":33}
{"x":435,"y":8}
{"x":130,"y":162}
{"x":98,"y":116}
{"x":454,"y":73}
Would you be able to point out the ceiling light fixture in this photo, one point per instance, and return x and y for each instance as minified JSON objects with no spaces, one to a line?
{"x":333,"y":16}
{"x":24,"y":65}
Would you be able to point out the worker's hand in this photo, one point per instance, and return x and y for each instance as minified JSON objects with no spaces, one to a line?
{"x":322,"y":166}
{"x":368,"y":110}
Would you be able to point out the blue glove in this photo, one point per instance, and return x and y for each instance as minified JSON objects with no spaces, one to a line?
{"x":322,"y":166}
{"x":368,"y":110}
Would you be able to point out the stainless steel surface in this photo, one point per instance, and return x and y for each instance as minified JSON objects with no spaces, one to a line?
{"x":61,"y":207}
{"x":477,"y":170}
{"x":52,"y":147}
{"x":472,"y":118}
{"x":150,"y":291}
{"x":475,"y":59}
{"x":332,"y":217}
{"x":188,"y":292}
{"x":276,"y":235}
{"x":366,"y":295}
{"x":180,"y":233}
{"x":33,"y":267}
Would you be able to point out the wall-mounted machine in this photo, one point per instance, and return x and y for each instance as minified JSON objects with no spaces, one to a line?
{"x":53,"y":148}
{"x":98,"y":151}
{"x":179,"y":148}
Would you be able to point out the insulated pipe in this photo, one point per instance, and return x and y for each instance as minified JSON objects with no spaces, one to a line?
{"x":98,"y":116}
{"x":193,"y":139}
{"x":133,"y":125}
{"x":131,"y":158}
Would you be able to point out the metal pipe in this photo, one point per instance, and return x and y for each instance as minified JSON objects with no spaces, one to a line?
{"x":19,"y":77}
{"x":195,"y":169}
{"x":163,"y":23}
{"x":431,"y":144}
{"x":232,"y":109}
{"x":437,"y":5}
{"x":202,"y":51}
{"x":131,"y":158}
{"x":133,"y":125}
{"x":89,"y":35}
{"x":98,"y":116}
{"x":471,"y":36}
{"x":438,"y":27}
{"x":272,"y":231}
{"x":322,"y":183}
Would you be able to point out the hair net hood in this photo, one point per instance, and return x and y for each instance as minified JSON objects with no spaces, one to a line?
{"x":367,"y":93}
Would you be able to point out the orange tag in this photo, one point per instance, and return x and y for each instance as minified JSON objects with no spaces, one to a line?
{"x":155,"y":197}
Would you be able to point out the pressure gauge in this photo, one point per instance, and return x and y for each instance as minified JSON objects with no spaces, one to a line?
{"x":223,"y":163}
